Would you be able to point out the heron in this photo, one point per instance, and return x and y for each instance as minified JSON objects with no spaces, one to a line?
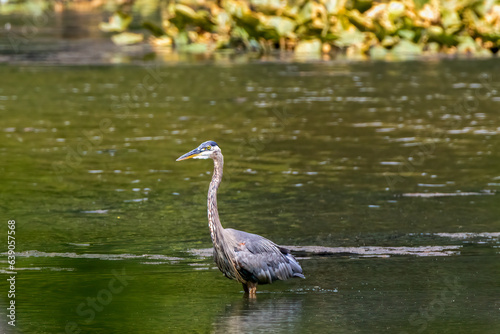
{"x":245,"y":257}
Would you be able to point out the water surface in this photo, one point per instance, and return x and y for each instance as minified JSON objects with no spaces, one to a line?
{"x":381,"y":177}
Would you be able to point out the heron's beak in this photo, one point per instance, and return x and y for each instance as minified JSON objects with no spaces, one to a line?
{"x":189,"y":155}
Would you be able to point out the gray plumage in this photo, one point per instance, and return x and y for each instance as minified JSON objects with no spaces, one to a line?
{"x":245,"y":257}
{"x":256,"y":258}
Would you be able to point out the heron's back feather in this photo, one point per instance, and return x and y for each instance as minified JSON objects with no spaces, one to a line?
{"x":250,"y":257}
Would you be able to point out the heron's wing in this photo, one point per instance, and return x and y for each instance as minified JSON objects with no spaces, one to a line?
{"x":261,"y":260}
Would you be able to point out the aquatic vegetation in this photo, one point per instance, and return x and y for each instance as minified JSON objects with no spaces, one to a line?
{"x":119,"y":22}
{"x":358,"y":28}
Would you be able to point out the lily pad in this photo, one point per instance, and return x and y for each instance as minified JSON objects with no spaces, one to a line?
{"x":117,"y":23}
{"x":406,"y":34}
{"x":270,"y":5}
{"x":406,"y":49}
{"x":185,"y":11}
{"x":466,"y":45}
{"x":127,"y":38}
{"x":378,"y":52}
{"x":310,"y":46}
{"x":359,"y":27}
{"x":194,"y":48}
{"x":432,"y":48}
{"x":435,"y":31}
{"x":283,"y":25}
{"x":451,"y":19}
{"x":395,"y":9}
{"x":154,"y":29}
{"x":350,"y":37}
{"x":390,"y":41}
{"x":334,"y":6}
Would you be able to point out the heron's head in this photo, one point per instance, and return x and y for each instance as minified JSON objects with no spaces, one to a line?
{"x":204,"y":151}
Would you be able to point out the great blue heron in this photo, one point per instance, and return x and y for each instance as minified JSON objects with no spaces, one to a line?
{"x":245,"y":257}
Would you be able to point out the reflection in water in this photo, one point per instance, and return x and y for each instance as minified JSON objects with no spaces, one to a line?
{"x":260,"y":315}
{"x":75,"y":25}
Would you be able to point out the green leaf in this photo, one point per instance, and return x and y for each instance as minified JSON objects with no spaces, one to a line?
{"x":194,"y":48}
{"x":117,"y":23}
{"x":378,"y":52}
{"x":432,"y":48}
{"x":127,"y":38}
{"x":395,"y":9}
{"x":390,"y":41}
{"x":185,"y":11}
{"x":406,"y":49}
{"x":334,"y":6}
{"x":154,"y":29}
{"x":350,"y":37}
{"x":283,"y":25}
{"x":466,"y":45}
{"x":269,"y":5}
{"x":406,"y":34}
{"x":310,"y":46}
{"x":450,"y":19}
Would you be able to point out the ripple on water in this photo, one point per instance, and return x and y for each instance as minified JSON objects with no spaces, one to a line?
{"x":368,"y":124}
{"x":2,"y":271}
{"x":135,"y":200}
{"x":391,"y":163}
{"x":431,"y":185}
{"x":365,"y":251}
{"x":385,"y":130}
{"x":469,"y":235}
{"x":95,"y":211}
{"x":482,"y":193}
{"x":35,"y":253}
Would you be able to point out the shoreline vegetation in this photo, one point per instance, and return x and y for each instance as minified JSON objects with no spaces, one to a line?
{"x":358,"y":29}
{"x":308,"y":29}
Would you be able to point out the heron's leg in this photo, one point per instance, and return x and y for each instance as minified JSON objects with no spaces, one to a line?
{"x":245,"y":288}
{"x":252,"y":289}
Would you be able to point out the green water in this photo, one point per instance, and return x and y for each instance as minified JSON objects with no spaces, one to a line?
{"x":111,"y":232}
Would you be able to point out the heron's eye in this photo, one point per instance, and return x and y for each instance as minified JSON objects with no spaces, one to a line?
{"x":209,"y":147}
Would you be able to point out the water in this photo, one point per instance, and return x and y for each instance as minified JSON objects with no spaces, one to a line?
{"x":381,"y":177}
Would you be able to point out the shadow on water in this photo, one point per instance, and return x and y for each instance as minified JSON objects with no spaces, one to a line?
{"x":263,"y":315}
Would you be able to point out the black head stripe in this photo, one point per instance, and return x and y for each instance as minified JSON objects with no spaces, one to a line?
{"x":208,"y":143}
{"x":211,"y":143}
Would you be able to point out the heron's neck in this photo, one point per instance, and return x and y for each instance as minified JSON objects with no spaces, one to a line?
{"x":213,"y":213}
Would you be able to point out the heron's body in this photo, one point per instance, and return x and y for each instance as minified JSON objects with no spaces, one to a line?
{"x":245,"y":257}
